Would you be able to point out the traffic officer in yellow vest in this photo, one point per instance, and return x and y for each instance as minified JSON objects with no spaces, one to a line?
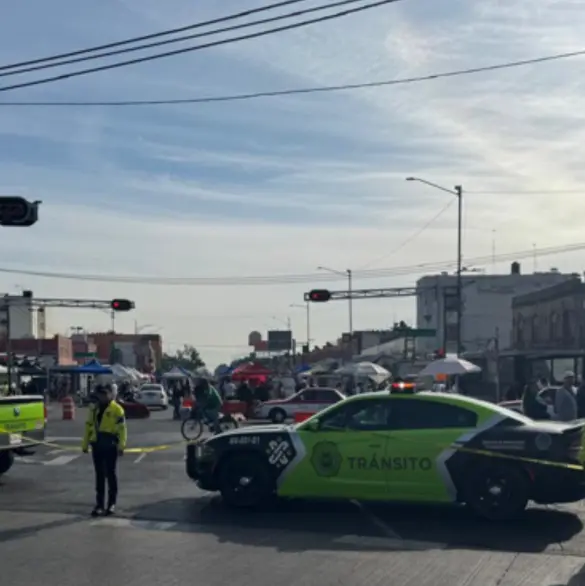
{"x":105,"y":432}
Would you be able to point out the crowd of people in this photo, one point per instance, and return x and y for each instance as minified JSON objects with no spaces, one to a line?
{"x":568,"y":403}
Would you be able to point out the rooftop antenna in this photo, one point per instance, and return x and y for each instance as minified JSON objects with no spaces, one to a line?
{"x":534,"y":258}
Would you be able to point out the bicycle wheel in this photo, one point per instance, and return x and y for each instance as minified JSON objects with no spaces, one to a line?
{"x":227,"y":423}
{"x":191,"y":429}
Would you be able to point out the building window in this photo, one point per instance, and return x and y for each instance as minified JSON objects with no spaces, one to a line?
{"x":520,"y":331}
{"x":534,"y":329}
{"x":554,"y":326}
{"x":567,"y":333}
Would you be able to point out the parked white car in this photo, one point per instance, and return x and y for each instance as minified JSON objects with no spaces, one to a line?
{"x":309,"y":400}
{"x":153,"y":396}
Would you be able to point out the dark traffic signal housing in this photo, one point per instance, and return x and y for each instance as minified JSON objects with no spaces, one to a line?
{"x":319,"y":295}
{"x":18,"y":212}
{"x":122,"y":305}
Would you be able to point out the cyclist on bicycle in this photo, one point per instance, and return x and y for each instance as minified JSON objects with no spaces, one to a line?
{"x":208,"y":402}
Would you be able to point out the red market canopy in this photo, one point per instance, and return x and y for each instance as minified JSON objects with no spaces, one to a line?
{"x":251,"y":370}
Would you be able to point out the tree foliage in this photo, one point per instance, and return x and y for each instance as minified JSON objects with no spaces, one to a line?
{"x":188,"y":357}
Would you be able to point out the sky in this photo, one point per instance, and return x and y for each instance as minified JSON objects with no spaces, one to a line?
{"x":280,"y":186}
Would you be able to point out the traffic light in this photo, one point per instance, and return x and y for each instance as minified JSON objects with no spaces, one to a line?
{"x":122,"y":305}
{"x":319,"y":295}
{"x":18,"y":212}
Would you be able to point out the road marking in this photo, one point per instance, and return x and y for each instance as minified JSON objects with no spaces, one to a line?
{"x":388,"y":532}
{"x":121,"y":523}
{"x":53,"y":452}
{"x":25,"y":460}
{"x":140,"y":458}
{"x":62,"y":460}
{"x":388,"y":543}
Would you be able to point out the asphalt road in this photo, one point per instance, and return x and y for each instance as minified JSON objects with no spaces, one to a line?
{"x":168,"y":531}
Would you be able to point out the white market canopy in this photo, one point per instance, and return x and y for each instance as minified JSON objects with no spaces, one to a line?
{"x":121,"y":372}
{"x":451,"y":365}
{"x":365,"y":370}
{"x":176,"y":373}
{"x":137,"y":374}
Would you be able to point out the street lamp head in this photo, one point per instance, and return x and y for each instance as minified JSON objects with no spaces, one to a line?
{"x":411,"y":179}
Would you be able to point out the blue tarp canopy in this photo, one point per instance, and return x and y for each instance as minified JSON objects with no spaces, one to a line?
{"x":302,"y":368}
{"x":93,"y":367}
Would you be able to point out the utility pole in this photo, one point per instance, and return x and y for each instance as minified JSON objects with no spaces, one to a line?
{"x":8,"y":342}
{"x":349,"y":287}
{"x":349,"y":274}
{"x":459,"y":192}
{"x":308,"y":326}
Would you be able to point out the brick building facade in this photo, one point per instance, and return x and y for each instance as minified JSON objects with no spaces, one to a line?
{"x":550,"y":319}
{"x":53,"y":351}
{"x":141,"y":351}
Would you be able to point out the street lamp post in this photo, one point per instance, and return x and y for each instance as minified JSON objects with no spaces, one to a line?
{"x":307,"y":308}
{"x":349,"y":274}
{"x":457,"y":191}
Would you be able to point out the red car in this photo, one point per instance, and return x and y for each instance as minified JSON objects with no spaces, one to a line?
{"x":134,"y":410}
{"x":306,"y":401}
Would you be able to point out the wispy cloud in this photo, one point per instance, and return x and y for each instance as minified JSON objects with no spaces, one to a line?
{"x":282,"y":185}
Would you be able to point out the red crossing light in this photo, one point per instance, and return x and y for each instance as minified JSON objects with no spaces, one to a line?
{"x":122,"y":305}
{"x":319,"y":295}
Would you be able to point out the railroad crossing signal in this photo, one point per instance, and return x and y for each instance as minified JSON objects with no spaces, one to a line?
{"x":122,"y":305}
{"x":16,"y":211}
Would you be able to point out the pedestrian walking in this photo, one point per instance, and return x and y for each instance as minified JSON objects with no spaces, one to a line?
{"x":566,"y":408}
{"x":105,"y":433}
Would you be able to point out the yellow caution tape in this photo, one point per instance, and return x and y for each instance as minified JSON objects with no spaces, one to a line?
{"x":578,"y":467}
{"x":24,"y":442}
{"x":163,"y":447}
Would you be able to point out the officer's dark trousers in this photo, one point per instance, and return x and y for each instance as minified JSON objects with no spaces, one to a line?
{"x":104,"y":463}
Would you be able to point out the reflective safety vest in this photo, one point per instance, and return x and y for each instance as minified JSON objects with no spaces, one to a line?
{"x":110,"y":432}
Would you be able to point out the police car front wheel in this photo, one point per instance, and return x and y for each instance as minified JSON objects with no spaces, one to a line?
{"x":245,"y":481}
{"x":496,"y":492}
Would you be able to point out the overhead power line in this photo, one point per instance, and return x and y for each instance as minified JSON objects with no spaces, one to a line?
{"x":414,"y":235}
{"x":216,"y":31}
{"x":234,"y":16}
{"x":309,"y":90}
{"x":284,"y":279}
{"x":218,"y":43}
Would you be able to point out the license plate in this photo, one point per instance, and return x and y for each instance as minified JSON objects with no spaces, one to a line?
{"x":11,"y":426}
{"x":14,"y":439}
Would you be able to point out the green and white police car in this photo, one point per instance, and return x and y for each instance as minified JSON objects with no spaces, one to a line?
{"x":412,"y":447}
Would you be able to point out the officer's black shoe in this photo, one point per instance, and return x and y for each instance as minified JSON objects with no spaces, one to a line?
{"x":97,"y":512}
{"x":111,"y":510}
